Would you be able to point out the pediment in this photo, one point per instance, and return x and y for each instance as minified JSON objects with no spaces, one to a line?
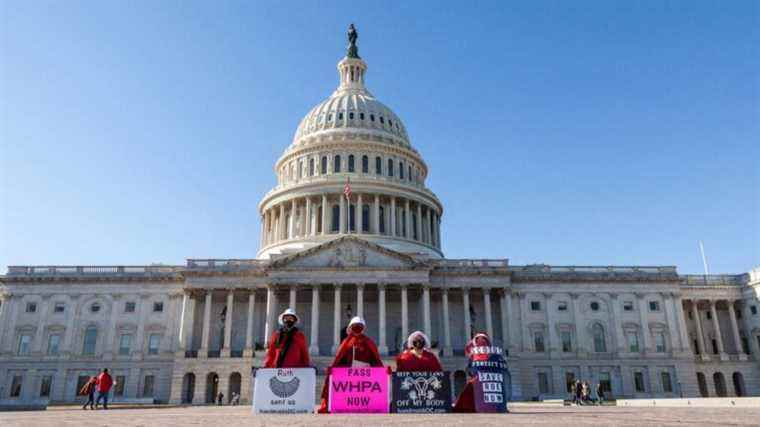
{"x":346,"y":252}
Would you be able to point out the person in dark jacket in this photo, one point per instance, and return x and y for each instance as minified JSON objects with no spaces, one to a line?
{"x":89,"y":389}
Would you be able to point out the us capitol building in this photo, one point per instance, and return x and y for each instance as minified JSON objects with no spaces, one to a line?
{"x":180,"y":334}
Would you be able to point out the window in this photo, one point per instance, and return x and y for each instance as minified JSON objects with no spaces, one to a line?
{"x":401,"y":170}
{"x":654,"y":306}
{"x":667,"y":385}
{"x":567,"y":341}
{"x":361,"y":116}
{"x":535,"y":305}
{"x":24,"y":344}
{"x":340,"y":116}
{"x":148,"y":386}
{"x":125,"y":344}
{"x":311,"y":167}
{"x":562,"y":306}
{"x":409,"y":175}
{"x":31,"y":307}
{"x":708,"y":315}
{"x":352,"y":218}
{"x":300,"y":169}
{"x":351,"y":167}
{"x":378,"y":166}
{"x":365,"y":218}
{"x":59,"y":307}
{"x":627,"y":305}
{"x":638,"y":380}
{"x":414,"y":226}
{"x":16,"y":386}
{"x":714,"y":346}
{"x":154,"y":340}
{"x":382,"y":220}
{"x":543,"y":383}
{"x":753,"y":309}
{"x":90,"y":339}
{"x":745,"y":345}
{"x":336,"y":164}
{"x":45,"y":385}
{"x":600,"y":346}
{"x":324,"y":165}
{"x":365,"y":164}
{"x":538,"y":342}
{"x":633,"y":342}
{"x":594,"y":306}
{"x":372,"y":117}
{"x":382,"y":120}
{"x":390,"y":122}
{"x":390,"y":167}
{"x":351,"y":115}
{"x":738,"y":314}
{"x":569,"y":381}
{"x":118,"y":385}
{"x":95,"y":308}
{"x":660,"y":342}
{"x":129,"y":307}
{"x":604,"y":382}
{"x":335,"y":219}
{"x":696,"y":346}
{"x":158,"y":307}
{"x":54,"y":344}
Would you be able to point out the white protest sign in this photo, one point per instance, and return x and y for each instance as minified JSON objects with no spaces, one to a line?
{"x":284,"y":391}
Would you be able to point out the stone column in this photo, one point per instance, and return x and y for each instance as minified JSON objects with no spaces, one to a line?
{"x":505,"y":323}
{"x":206,"y":325}
{"x":307,"y":220}
{"x":342,"y":223}
{"x":269,"y":324}
{"x":681,"y":319}
{"x":360,"y":300}
{"x":646,"y":336}
{"x":579,"y":341}
{"x":467,"y":320}
{"x":426,"y":310}
{"x":314,"y":347}
{"x":228,"y":324}
{"x":336,"y":318}
{"x":419,"y":223}
{"x":404,"y":312}
{"x":282,"y":230}
{"x":376,"y":215}
{"x":488,"y":312}
{"x":551,"y":330}
{"x":407,"y":220}
{"x":716,"y":329}
{"x":248,"y":351}
{"x":324,"y":214}
{"x":358,"y":214}
{"x":383,"y":347}
{"x":616,"y":323}
{"x":183,"y":325}
{"x":447,"y":350}
{"x":673,"y":326}
{"x":393,"y":216}
{"x":293,"y":298}
{"x":700,"y":334}
{"x":292,"y":223}
{"x":735,"y":329}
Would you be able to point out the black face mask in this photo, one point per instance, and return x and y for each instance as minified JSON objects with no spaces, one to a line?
{"x":289,"y":324}
{"x":418,"y":344}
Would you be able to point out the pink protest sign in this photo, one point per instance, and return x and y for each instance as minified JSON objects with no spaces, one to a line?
{"x":359,"y":390}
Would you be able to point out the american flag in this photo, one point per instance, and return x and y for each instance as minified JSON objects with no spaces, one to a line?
{"x":347,"y":189}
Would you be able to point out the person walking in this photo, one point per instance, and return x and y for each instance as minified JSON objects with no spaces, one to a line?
{"x":104,"y":386}
{"x":578,"y":392}
{"x":585,"y":393}
{"x":89,"y":389}
{"x":599,"y":393}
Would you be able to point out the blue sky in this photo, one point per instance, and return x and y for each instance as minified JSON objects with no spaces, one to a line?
{"x":589,"y":133}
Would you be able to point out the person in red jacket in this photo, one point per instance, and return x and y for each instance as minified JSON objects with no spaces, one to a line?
{"x":417,"y":356}
{"x":104,"y":386}
{"x":287,"y":348}
{"x":357,"y":350}
{"x":466,"y":400}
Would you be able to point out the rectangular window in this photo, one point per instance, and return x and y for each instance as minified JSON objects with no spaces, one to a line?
{"x":31,"y":307}
{"x":569,"y":381}
{"x":125,"y":344}
{"x":654,"y":306}
{"x":153,"y":342}
{"x":714,"y":346}
{"x":567,"y":341}
{"x":627,"y":305}
{"x":708,"y":315}
{"x":45,"y":385}
{"x":604,"y":383}
{"x":562,"y":306}
{"x":81,"y":381}
{"x":148,"y":386}
{"x":54,"y":344}
{"x":24,"y":343}
{"x":543,"y":383}
{"x":538,"y":342}
{"x":753,"y":310}
{"x":660,"y":342}
{"x":745,"y":345}
{"x":90,"y":340}
{"x":633,"y":342}
{"x":16,"y":386}
{"x":59,"y":307}
{"x":158,"y":307}
{"x":118,"y":385}
{"x":638,"y":380}
{"x":129,"y":307}
{"x":696,"y":347}
{"x":535,"y":305}
{"x":378,"y":166}
{"x":667,"y":385}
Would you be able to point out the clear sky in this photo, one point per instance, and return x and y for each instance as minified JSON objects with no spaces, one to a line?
{"x":586,"y":133}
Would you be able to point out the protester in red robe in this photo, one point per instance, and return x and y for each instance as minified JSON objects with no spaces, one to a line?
{"x":287,"y":348}
{"x":357,"y":350}
{"x":466,"y":400}
{"x":417,"y":356}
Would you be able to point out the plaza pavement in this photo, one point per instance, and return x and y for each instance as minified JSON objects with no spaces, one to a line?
{"x":523,"y":414}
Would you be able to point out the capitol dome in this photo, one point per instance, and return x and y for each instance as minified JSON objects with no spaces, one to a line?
{"x":351,"y":169}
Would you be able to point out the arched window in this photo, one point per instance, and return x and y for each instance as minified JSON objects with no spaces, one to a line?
{"x":739,"y":384}
{"x":378,"y":165}
{"x":324,"y":165}
{"x":600,"y":346}
{"x":720,"y":384}
{"x":365,"y":218}
{"x":382,"y":220}
{"x":351,"y":163}
{"x":702,"y":382}
{"x":390,"y":167}
{"x":335,"y":223}
{"x":311,"y":167}
{"x":403,"y":223}
{"x":365,"y":164}
{"x":90,"y":340}
{"x":336,"y":164}
{"x":414,"y":227}
{"x":410,"y":174}
{"x":401,"y":170}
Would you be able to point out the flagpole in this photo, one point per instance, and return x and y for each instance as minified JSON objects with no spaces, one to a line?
{"x":704,"y":258}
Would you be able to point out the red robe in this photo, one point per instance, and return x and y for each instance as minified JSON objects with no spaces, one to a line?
{"x":297,"y":355}
{"x":408,"y":361}
{"x":466,"y":400}
{"x":360,"y":346}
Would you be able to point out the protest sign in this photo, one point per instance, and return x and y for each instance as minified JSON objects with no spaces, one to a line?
{"x":284,"y":391}
{"x":421,"y":392}
{"x":359,"y":390}
{"x":492,"y":381}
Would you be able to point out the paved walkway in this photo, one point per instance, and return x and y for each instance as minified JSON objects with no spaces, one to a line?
{"x":523,"y":414}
